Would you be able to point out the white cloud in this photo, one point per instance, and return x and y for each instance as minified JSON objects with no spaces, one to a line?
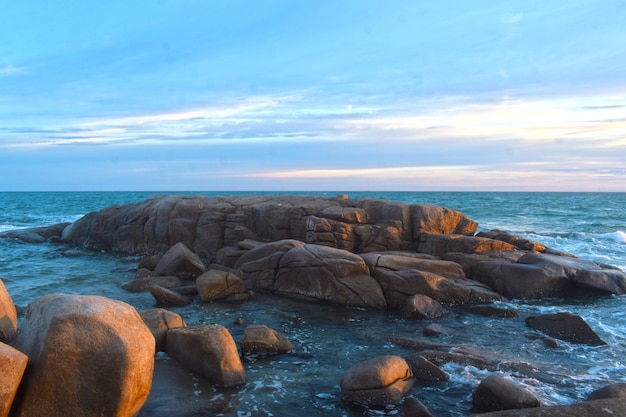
{"x":511,"y":18}
{"x":8,"y":70}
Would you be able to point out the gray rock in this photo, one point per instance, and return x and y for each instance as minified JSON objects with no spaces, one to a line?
{"x":565,"y":326}
{"x":496,"y":393}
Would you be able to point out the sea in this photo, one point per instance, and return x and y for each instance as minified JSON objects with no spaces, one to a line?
{"x":330,"y":339}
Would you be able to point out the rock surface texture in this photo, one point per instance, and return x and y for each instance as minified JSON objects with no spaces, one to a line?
{"x":8,"y":316}
{"x":12,"y":367}
{"x":88,"y":356}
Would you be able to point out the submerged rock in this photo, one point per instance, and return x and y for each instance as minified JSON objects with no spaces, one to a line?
{"x":423,"y":307}
{"x":565,"y":326}
{"x":262,"y":339}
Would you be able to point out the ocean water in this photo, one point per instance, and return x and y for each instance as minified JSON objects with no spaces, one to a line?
{"x":331,"y":339}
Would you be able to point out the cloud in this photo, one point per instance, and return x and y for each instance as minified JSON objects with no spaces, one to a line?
{"x":511,"y":18}
{"x":9,"y":70}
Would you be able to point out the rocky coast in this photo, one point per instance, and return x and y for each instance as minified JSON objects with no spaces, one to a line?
{"x":419,"y":262}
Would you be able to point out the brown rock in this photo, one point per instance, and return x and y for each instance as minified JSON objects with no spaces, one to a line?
{"x":399,"y":261}
{"x":599,"y":408}
{"x":320,"y":273}
{"x":491,"y":311}
{"x":88,"y":356}
{"x":260,"y":265}
{"x":144,"y":284}
{"x":610,"y":391}
{"x":12,"y":367}
{"x":428,"y":218}
{"x":180,"y":261}
{"x":565,"y":326}
{"x":423,"y":307}
{"x":496,"y":393}
{"x":440,"y":244}
{"x":262,"y":339}
{"x":209,"y":351}
{"x":378,"y":381}
{"x":398,"y":286}
{"x":435,"y":329}
{"x":215,"y":285}
{"x":426,"y":372}
{"x":411,"y":407}
{"x":166,"y":297}
{"x":160,"y":321}
{"x":8,"y":316}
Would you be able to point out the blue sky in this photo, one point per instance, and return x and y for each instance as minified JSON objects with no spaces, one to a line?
{"x":313,"y":95}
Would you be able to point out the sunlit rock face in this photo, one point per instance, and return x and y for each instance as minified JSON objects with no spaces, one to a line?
{"x":88,"y":356}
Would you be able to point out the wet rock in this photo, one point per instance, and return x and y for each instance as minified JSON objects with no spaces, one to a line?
{"x":215,"y":285}
{"x":496,"y":393}
{"x":565,"y":326}
{"x":36,"y":234}
{"x":145,"y":273}
{"x":441,"y":358}
{"x":12,"y":367}
{"x":209,"y":351}
{"x":262,"y":339}
{"x":166,"y":297}
{"x":424,"y":371}
{"x":547,"y":341}
{"x":435,"y":329}
{"x":423,"y":307}
{"x":378,"y":381}
{"x":599,"y":408}
{"x":149,"y":262}
{"x":159,"y":321}
{"x":398,"y":286}
{"x":97,"y":353}
{"x":180,"y":261}
{"x":610,"y":391}
{"x":8,"y":316}
{"x":411,"y":407}
{"x":144,"y":284}
{"x":439,"y":244}
{"x":491,"y":311}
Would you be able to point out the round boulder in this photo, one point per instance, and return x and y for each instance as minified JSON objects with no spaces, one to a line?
{"x":89,"y":356}
{"x":262,"y":339}
{"x":496,"y":393}
{"x":422,"y":306}
{"x":378,"y":381}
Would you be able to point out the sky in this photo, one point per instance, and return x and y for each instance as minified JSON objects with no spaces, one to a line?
{"x":351,"y":95}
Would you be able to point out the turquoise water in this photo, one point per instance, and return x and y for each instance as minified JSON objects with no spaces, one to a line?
{"x":330,"y":339}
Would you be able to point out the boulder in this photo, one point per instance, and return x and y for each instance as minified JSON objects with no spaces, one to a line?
{"x":426,"y":372}
{"x":262,"y":339}
{"x":565,"y":326}
{"x":428,"y":218}
{"x":180,"y":261}
{"x":160,"y":321}
{"x":99,"y":349}
{"x":144,"y":284}
{"x":610,"y":391}
{"x":398,"y":286}
{"x":439,"y":244}
{"x":208,"y":351}
{"x":422,"y":306}
{"x":216,"y":284}
{"x":166,"y":297}
{"x":12,"y":367}
{"x":320,"y":273}
{"x":411,"y":407}
{"x":8,"y":316}
{"x":435,"y":329}
{"x":259,"y":266}
{"x":496,"y":393}
{"x":538,"y":275}
{"x":36,"y":234}
{"x":378,"y":381}
{"x":399,"y":261}
{"x":598,"y":408}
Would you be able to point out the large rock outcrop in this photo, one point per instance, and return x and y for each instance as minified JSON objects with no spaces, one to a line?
{"x":88,"y":356}
{"x":206,"y":225}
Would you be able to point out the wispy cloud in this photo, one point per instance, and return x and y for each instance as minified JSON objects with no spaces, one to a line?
{"x":9,"y":70}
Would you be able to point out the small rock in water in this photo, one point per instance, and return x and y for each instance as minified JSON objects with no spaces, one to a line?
{"x":565,"y":326}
